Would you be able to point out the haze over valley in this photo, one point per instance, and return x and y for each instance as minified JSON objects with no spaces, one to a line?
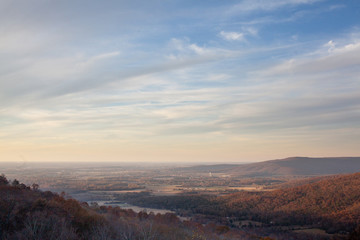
{"x":237,"y":191}
{"x":179,"y":120}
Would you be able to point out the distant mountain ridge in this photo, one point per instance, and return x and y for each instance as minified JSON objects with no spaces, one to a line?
{"x":300,"y":166}
{"x":295,"y":166}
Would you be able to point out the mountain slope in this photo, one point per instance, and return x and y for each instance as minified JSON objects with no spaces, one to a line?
{"x":333,"y":204}
{"x":27,"y":213}
{"x":299,"y":166}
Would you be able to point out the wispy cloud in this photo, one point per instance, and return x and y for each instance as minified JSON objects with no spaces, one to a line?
{"x":334,"y":59}
{"x":169,"y":76}
{"x":263,"y":5}
{"x":232,"y":36}
{"x":239,"y":36}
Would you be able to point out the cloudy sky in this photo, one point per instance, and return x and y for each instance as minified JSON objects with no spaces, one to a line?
{"x":171,"y":80}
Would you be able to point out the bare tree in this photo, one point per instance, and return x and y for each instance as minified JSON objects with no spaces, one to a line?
{"x":39,"y":226}
{"x":148,"y":231}
{"x":101,"y":232}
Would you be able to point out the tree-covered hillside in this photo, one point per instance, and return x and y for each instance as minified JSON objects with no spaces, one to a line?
{"x":332,"y":204}
{"x":28,"y":213}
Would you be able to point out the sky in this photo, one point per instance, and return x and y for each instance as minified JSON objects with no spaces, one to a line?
{"x":169,"y":80}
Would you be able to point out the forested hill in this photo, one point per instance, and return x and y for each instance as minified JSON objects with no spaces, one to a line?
{"x":293,"y":166}
{"x":332,"y":204}
{"x":28,"y":213}
{"x":300,"y":166}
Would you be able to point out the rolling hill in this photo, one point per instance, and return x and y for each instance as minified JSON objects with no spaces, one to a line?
{"x":299,"y":166}
{"x":332,"y":204}
{"x":293,"y":166}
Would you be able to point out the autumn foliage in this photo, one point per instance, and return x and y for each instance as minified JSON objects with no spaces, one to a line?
{"x":332,"y":204}
{"x":27,"y":213}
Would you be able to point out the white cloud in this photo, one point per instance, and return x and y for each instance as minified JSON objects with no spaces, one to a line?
{"x":232,"y":36}
{"x":178,"y":44}
{"x":86,"y":72}
{"x":183,"y":53}
{"x":185,"y":47}
{"x":348,"y":47}
{"x":335,"y":59}
{"x":265,"y":5}
{"x":239,"y":36}
{"x":197,"y":49}
{"x":331,"y":45}
{"x":250,"y":31}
